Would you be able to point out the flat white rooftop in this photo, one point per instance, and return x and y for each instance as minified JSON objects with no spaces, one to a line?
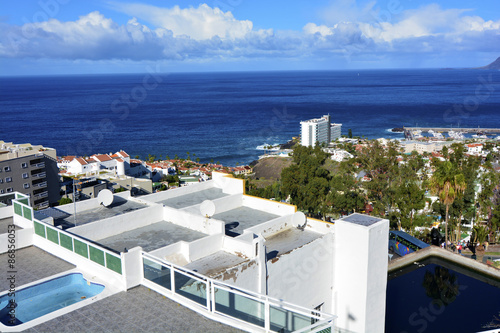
{"x":288,"y":240}
{"x":194,"y":198}
{"x":216,"y":263}
{"x":119,"y":206}
{"x":151,"y":237}
{"x":241,"y":218}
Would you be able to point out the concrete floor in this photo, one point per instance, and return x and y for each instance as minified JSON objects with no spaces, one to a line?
{"x":99,"y":213}
{"x":241,"y":218}
{"x":215,"y":263}
{"x":136,"y":310}
{"x":196,"y":198}
{"x":31,"y":264}
{"x":288,"y":240}
{"x":4,"y":223}
{"x":151,"y":237}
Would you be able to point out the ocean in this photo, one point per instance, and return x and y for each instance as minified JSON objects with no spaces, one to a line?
{"x":224,"y":117}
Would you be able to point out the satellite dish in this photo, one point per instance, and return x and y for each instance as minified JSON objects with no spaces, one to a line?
{"x":105,"y":197}
{"x":207,"y":208}
{"x":299,"y":219}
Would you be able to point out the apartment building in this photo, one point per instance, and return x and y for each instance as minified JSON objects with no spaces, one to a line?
{"x":31,"y":170}
{"x":318,"y":130}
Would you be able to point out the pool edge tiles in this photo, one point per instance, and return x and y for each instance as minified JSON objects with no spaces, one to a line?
{"x":85,"y":279}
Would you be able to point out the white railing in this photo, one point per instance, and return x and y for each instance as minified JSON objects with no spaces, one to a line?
{"x":262,"y":312}
{"x":38,"y":165}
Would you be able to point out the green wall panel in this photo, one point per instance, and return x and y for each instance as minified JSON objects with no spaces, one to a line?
{"x":18,"y":209}
{"x":24,"y":201}
{"x":96,"y":255}
{"x":66,"y":241}
{"x":52,"y":235}
{"x":39,"y":229}
{"x":114,"y":263}
{"x":27,"y":213}
{"x":81,"y":248}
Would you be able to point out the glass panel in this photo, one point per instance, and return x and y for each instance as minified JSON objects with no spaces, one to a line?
{"x":157,"y":273}
{"x":39,"y":229}
{"x":241,"y":307}
{"x":191,"y":288}
{"x":81,"y":248}
{"x":27,"y":212}
{"x":283,"y":320}
{"x":96,"y":255}
{"x":52,"y":235}
{"x":66,"y":241}
{"x":114,"y":263}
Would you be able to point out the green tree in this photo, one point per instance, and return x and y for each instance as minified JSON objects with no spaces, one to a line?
{"x":410,"y":199}
{"x":64,"y":201}
{"x":349,"y":134}
{"x":306,"y":181}
{"x":448,"y":184}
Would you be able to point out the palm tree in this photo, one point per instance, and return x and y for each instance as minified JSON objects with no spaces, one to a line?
{"x":448,"y":184}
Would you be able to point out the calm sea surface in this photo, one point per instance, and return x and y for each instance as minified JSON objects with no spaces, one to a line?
{"x":225,"y":116}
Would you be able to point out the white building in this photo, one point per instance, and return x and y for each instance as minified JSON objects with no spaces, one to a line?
{"x":475,"y":148}
{"x":315,"y":130}
{"x":254,"y":264}
{"x":335,"y":131}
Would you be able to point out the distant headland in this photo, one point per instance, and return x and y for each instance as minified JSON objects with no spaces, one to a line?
{"x":494,"y":65}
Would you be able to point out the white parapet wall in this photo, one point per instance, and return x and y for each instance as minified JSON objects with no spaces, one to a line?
{"x":227,"y":203}
{"x":16,"y":239}
{"x":5,"y":212}
{"x":121,"y":223}
{"x":193,"y":221}
{"x":360,"y":272}
{"x":303,"y":276}
{"x":270,"y":206}
{"x":228,"y":183}
{"x":177,"y":192}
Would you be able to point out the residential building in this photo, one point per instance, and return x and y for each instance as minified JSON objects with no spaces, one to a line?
{"x":423,"y":147}
{"x":474,"y":148}
{"x":31,"y":170}
{"x":318,"y":130}
{"x":335,"y":131}
{"x":254,"y":264}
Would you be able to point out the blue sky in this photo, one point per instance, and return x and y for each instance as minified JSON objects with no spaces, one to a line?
{"x":69,"y":36}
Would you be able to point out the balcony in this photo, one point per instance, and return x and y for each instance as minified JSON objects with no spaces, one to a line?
{"x":41,"y":195}
{"x":39,"y":175}
{"x":40,"y":185}
{"x":42,"y":205}
{"x":38,"y":165}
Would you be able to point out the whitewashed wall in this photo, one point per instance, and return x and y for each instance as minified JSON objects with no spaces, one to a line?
{"x":360,"y":275}
{"x":121,"y":223}
{"x":164,"y":195}
{"x":22,"y":238}
{"x":303,"y":276}
{"x":7,"y":211}
{"x":273,"y":207}
{"x":193,"y":221}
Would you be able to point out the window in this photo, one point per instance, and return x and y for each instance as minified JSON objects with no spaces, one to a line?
{"x":26,"y":185}
{"x":25,"y":175}
{"x":24,"y":165}
{"x":9,"y":189}
{"x":8,"y":179}
{"x":2,"y":191}
{"x":6,"y":169}
{"x":1,"y":180}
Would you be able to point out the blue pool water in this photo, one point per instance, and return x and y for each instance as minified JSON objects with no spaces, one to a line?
{"x":38,"y":300}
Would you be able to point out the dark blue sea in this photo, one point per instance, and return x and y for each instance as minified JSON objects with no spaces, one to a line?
{"x":225,"y":116}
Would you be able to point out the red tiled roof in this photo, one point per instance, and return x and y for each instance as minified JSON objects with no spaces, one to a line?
{"x":102,"y":157}
{"x":123,"y":154}
{"x":472,"y":145}
{"x":81,"y":161}
{"x":120,"y":160}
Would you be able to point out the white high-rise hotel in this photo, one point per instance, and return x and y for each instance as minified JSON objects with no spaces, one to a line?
{"x":318,"y":130}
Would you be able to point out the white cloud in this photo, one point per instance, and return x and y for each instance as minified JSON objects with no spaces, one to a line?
{"x":199,"y":23}
{"x":203,"y":34}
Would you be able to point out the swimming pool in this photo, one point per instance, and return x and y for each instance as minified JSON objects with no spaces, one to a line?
{"x":35,"y":301}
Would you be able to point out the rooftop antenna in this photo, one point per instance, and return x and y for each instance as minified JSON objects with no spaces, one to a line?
{"x":300,"y":220}
{"x":207,"y":208}
{"x":105,"y":197}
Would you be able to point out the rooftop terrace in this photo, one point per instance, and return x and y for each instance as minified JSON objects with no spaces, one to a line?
{"x":215,"y":263}
{"x":195,"y":198}
{"x":241,"y":218}
{"x":119,"y":206}
{"x":288,"y":240}
{"x":151,"y":237}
